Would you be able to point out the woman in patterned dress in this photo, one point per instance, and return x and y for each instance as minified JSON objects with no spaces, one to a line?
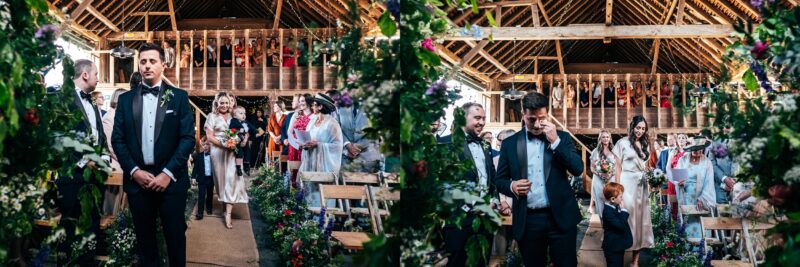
{"x":698,"y":188}
{"x":299,"y":122}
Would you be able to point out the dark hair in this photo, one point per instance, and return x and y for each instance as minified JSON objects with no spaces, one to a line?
{"x":81,"y":66}
{"x":308,"y":98}
{"x":152,"y":46}
{"x":533,"y":101}
{"x":326,"y":109}
{"x":706,"y":133}
{"x":645,"y":141}
{"x":136,"y":79}
{"x":333,"y":93}
{"x":612,"y":189}
{"x":468,"y":106}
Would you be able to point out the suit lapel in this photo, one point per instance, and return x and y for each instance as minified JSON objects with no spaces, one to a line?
{"x":522,"y":154}
{"x":160,"y":110}
{"x":547,"y":159}
{"x":468,"y":155}
{"x":136,"y":110}
{"x":101,"y":134}
{"x":79,"y":106}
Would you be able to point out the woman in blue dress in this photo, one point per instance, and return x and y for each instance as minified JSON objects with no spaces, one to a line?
{"x":698,"y":188}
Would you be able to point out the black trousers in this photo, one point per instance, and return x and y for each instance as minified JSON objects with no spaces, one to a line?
{"x":69,"y":205}
{"x":614,"y":258}
{"x":205,"y":196}
{"x":541,"y":233}
{"x":455,"y":242}
{"x":145,"y":207}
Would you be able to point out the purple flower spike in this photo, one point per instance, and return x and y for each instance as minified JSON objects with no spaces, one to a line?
{"x":438,"y":86}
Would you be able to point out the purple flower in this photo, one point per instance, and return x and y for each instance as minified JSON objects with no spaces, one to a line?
{"x":47,"y":34}
{"x":681,"y":229}
{"x":438,"y":86}
{"x":761,"y":74}
{"x":756,"y":3}
{"x":296,"y":226}
{"x":299,"y":195}
{"x":328,"y":230}
{"x":321,"y":224}
{"x":344,"y":100}
{"x":707,"y":260}
{"x":394,"y":8}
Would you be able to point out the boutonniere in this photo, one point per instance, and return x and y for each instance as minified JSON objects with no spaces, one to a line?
{"x":166,"y":97}
{"x":485,"y":146}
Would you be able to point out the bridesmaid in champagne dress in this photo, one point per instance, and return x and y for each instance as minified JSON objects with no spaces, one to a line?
{"x":602,"y":151}
{"x":300,"y":122}
{"x":231,"y":188}
{"x":633,"y":153}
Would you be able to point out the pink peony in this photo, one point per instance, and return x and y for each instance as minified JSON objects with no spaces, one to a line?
{"x":428,"y":44}
{"x":779,"y":193}
{"x":759,"y":49}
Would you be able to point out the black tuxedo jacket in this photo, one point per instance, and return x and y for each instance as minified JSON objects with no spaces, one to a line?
{"x":513,"y":165}
{"x":199,"y":169}
{"x":472,"y":174}
{"x":616,"y":231}
{"x":85,"y":127}
{"x":174,"y":137}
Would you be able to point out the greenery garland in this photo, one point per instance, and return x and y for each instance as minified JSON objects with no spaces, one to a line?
{"x":765,"y":129}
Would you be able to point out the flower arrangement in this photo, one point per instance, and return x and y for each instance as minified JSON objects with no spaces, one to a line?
{"x":122,"y":241}
{"x":656,"y":178}
{"x":671,"y":247}
{"x":605,"y":167}
{"x":719,"y":150}
{"x":231,"y":140}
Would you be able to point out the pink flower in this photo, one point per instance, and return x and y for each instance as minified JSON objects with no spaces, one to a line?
{"x":759,"y":49}
{"x":669,"y":244}
{"x":779,"y":193}
{"x":287,"y":212}
{"x":428,"y":44}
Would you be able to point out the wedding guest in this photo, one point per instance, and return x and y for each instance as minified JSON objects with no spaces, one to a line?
{"x":154,"y":154}
{"x":210,"y":55}
{"x":638,"y":96}
{"x":609,"y":97}
{"x":584,"y":95}
{"x":724,"y":168}
{"x":289,"y":55}
{"x":698,"y":189}
{"x":533,"y":172}
{"x":197,"y":53}
{"x":169,"y":55}
{"x":202,"y":173}
{"x":666,"y":100}
{"x":99,"y":101}
{"x":596,"y":93}
{"x":601,"y":153}
{"x":501,"y":136}
{"x":633,"y":151}
{"x":672,"y":162}
{"x":323,"y":153}
{"x":70,"y":184}
{"x":489,"y":140}
{"x":558,"y":96}
{"x":243,"y":130}
{"x":186,"y":56}
{"x":273,"y":54}
{"x":231,"y":188}
{"x":226,"y":54}
{"x":617,"y":235}
{"x":260,"y":140}
{"x":358,"y":149}
{"x":435,"y":125}
{"x":570,"y":98}
{"x":285,"y":130}
{"x":482,"y":173}
{"x":299,"y":122}
{"x":622,"y":95}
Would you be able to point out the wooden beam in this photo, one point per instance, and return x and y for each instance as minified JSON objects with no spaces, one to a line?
{"x":535,"y":14}
{"x":599,"y":32}
{"x":277,"y":21}
{"x":681,"y":9}
{"x":505,"y":4}
{"x":560,"y":57}
{"x":656,"y":46}
{"x":59,"y":15}
{"x":455,"y":60}
{"x":151,"y":13}
{"x":544,"y":13}
{"x":172,"y":18}
{"x":609,"y":9}
{"x":473,"y":52}
{"x":79,"y":10}
{"x":99,"y":16}
{"x":540,"y":58}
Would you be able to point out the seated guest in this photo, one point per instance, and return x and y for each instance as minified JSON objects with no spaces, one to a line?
{"x":617,"y":235}
{"x":204,"y":177}
{"x":610,"y":98}
{"x":698,"y":189}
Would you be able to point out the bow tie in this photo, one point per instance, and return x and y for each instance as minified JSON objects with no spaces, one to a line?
{"x":541,"y":137}
{"x":150,"y":90}
{"x":474,"y":139}
{"x":86,"y":96}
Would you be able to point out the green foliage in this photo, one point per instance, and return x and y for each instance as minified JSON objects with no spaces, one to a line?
{"x":671,"y":247}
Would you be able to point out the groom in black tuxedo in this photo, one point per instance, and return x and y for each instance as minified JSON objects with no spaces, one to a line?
{"x":482,"y":173}
{"x":533,"y":170}
{"x":153,"y":137}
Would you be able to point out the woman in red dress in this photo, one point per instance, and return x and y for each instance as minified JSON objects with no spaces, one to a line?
{"x":274,"y":128}
{"x":289,"y":55}
{"x":299,"y":121}
{"x":672,"y":163}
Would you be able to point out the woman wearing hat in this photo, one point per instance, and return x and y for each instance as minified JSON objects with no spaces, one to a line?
{"x":698,"y":188}
{"x":324,"y":152}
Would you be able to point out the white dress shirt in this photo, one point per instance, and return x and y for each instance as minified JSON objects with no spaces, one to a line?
{"x":89,"y":110}
{"x":535,"y":149}
{"x":479,"y":159}
{"x":207,"y":165}
{"x":149,"y":112}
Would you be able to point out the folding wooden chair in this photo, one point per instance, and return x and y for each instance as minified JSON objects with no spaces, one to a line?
{"x":320,"y":178}
{"x":275,"y":159}
{"x":359,"y":178}
{"x":379,"y":195}
{"x":119,"y":203}
{"x":727,"y":224}
{"x":349,"y":240}
{"x":390,"y":178}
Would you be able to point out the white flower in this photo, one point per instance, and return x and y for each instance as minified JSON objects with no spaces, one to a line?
{"x":771,"y":122}
{"x":4,"y":198}
{"x":789,"y":104}
{"x":17,"y":206}
{"x":792,"y":175}
{"x":41,"y":211}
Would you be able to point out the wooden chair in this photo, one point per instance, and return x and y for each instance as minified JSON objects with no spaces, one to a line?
{"x":114,"y":180}
{"x":349,"y":240}
{"x":728,"y":224}
{"x":275,"y":160}
{"x":379,"y":195}
{"x":391,"y":178}
{"x":321,"y":178}
{"x":359,"y":178}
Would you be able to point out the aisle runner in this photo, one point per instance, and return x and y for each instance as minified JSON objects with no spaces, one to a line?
{"x":591,"y":252}
{"x":209,"y":243}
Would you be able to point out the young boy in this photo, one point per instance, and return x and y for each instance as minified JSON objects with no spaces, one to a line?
{"x":242,"y":129}
{"x":202,"y":173}
{"x":616,"y":231}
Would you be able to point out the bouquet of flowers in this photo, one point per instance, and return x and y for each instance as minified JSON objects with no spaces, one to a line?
{"x":656,"y":178}
{"x":604,"y":168}
{"x":231,"y":140}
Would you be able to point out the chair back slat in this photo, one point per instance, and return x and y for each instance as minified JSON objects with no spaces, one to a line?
{"x":319,"y":177}
{"x":360,"y":178}
{"x":391,"y":178}
{"x":721,"y":223}
{"x":385,"y":194}
{"x":356,"y":192}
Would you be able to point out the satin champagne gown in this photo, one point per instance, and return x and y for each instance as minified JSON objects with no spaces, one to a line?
{"x":230,"y":187}
{"x":636,"y":196}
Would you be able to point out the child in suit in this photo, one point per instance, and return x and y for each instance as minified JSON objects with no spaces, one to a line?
{"x":616,"y":231}
{"x":238,"y":122}
{"x":203,"y":174}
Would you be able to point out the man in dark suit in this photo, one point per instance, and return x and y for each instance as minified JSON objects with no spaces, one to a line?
{"x":482,"y":173}
{"x":70,"y":184}
{"x":153,"y":137}
{"x":285,"y":130}
{"x":203,"y":174}
{"x":533,"y":170}
{"x":226,"y":54}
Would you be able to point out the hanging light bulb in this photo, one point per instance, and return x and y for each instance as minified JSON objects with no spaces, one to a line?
{"x":122,"y":51}
{"x":513,"y":93}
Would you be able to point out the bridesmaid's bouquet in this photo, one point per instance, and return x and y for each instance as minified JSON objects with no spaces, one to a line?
{"x":231,"y":140}
{"x":604,"y":168}
{"x":656,"y":178}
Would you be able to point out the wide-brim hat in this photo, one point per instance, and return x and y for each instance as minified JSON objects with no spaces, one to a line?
{"x":325,"y":100}
{"x":698,"y":143}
